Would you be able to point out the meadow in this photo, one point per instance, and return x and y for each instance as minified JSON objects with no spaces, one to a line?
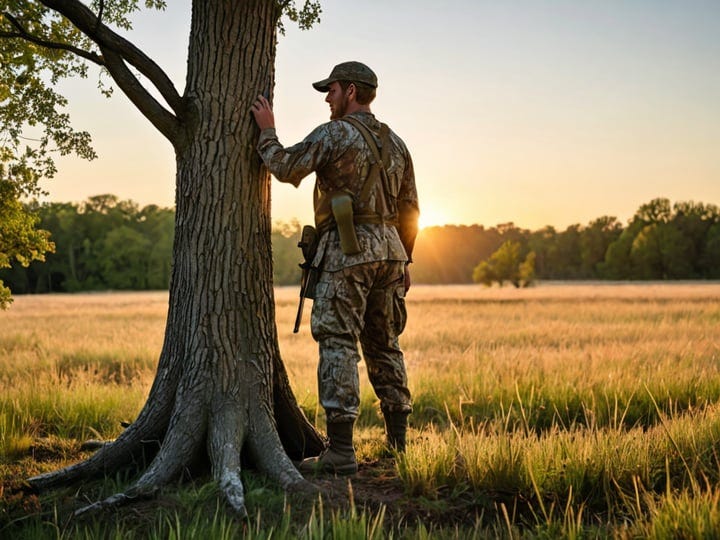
{"x":563,"y":410}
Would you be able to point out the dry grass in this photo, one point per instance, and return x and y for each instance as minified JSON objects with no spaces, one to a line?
{"x":575,"y":398}
{"x":470,"y":350}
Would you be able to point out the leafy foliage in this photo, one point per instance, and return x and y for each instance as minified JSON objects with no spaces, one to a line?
{"x":305,"y":17}
{"x":20,"y":240}
{"x":506,"y":264}
{"x":32,"y":111}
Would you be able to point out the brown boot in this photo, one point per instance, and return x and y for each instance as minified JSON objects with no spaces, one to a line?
{"x":339,"y":457}
{"x":396,"y":429}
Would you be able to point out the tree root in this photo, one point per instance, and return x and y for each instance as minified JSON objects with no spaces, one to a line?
{"x":232,"y":487}
{"x":182,"y":425}
{"x":110,"y":456}
{"x":114,"y":501}
{"x":225,"y":437}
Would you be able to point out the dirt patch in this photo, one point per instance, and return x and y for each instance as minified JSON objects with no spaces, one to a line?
{"x":377,"y":486}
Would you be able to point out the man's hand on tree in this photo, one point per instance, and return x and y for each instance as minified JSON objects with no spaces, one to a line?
{"x":263,"y":113}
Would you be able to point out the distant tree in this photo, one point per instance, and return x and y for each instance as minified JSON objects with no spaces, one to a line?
{"x":656,"y":211}
{"x":502,"y":266}
{"x":567,"y":260}
{"x":484,"y":273}
{"x":70,"y":234}
{"x":594,"y":242}
{"x":124,"y":258}
{"x":694,"y":220}
{"x":618,"y":264}
{"x":286,"y":254}
{"x":710,"y":261}
{"x":661,"y":251}
{"x":156,"y":224}
{"x":510,"y":231}
{"x":50,"y":275}
{"x":542,"y":242}
{"x":526,"y":270}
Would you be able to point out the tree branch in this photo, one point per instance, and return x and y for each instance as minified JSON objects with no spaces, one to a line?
{"x":101,"y":9}
{"x":27,"y":36}
{"x":163,"y":120}
{"x":90,"y":24}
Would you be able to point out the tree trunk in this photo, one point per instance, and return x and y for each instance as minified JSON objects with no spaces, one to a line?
{"x":220,"y":383}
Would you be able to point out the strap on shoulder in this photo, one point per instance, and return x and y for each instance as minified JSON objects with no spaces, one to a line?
{"x":379,"y":159}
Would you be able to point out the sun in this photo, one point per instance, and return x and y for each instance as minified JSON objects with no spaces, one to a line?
{"x":431,"y":216}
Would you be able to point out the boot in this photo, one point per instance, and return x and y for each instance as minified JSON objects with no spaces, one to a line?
{"x":396,"y":429}
{"x":339,"y":457}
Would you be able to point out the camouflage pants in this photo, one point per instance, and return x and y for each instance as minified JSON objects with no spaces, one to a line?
{"x":365,"y":303}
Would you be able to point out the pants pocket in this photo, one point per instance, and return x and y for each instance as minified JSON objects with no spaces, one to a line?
{"x":399,"y":312}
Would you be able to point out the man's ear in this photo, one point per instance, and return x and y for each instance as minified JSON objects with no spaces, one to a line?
{"x":351,"y":91}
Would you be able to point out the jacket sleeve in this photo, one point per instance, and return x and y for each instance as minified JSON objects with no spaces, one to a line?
{"x":408,"y":208}
{"x":294,"y":163}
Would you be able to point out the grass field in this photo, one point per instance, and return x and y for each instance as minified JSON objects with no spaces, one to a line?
{"x":564,"y":410}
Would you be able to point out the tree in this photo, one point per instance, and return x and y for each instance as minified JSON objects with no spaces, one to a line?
{"x":221,"y":389}
{"x":568,"y":258}
{"x":656,"y":211}
{"x":710,"y":261}
{"x":661,"y":251}
{"x":694,"y":220}
{"x":285,"y":238}
{"x":124,"y":258}
{"x":543,"y":243}
{"x":505,"y":265}
{"x":157,"y":227}
{"x":594,"y":242}
{"x":617,"y":263}
{"x":526,"y":270}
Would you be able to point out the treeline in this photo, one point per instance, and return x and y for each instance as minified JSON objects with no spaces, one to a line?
{"x":661,"y":241}
{"x":102,"y":243}
{"x":107,"y":243}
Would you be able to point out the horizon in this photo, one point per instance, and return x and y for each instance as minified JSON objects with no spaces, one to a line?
{"x":279,"y":222}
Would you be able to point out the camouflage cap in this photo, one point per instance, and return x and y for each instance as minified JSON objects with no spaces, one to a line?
{"x":348,"y":71}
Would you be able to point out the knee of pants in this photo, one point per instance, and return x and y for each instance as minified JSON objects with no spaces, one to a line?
{"x":342,"y":343}
{"x":339,"y":387}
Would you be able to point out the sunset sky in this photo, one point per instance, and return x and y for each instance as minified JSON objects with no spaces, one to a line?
{"x":536,"y":112}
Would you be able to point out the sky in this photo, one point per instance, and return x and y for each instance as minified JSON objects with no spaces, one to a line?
{"x":539,"y":112}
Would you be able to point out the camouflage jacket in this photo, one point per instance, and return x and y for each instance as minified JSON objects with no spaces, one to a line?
{"x":340,"y":158}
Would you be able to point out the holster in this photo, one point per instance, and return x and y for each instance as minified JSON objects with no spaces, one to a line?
{"x":342,"y":210}
{"x":309,"y":240}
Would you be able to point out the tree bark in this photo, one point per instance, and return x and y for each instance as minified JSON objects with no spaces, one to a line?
{"x":221,"y":387}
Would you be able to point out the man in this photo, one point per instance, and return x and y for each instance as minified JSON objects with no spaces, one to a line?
{"x":366,"y":211}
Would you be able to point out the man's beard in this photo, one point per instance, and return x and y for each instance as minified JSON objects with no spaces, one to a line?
{"x":339,"y":112}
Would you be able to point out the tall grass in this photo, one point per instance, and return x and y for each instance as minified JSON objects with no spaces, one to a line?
{"x":555,"y":411}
